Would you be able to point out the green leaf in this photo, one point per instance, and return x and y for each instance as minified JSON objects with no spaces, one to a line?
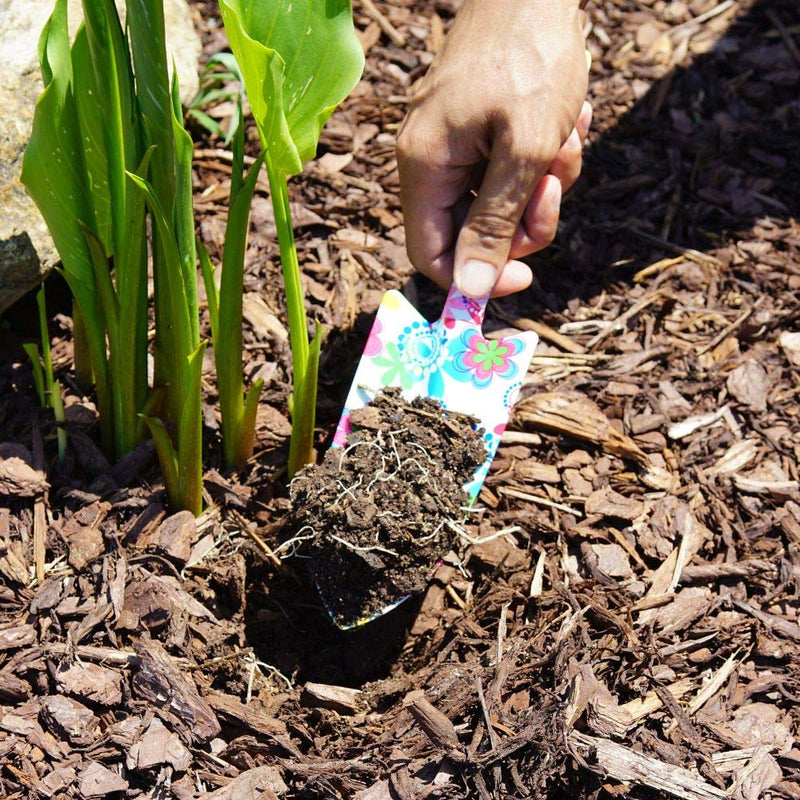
{"x":167,"y":457}
{"x":190,"y":437}
{"x":228,"y":342}
{"x":113,"y":95}
{"x":53,"y":167}
{"x":212,"y":292}
{"x":247,"y":428}
{"x":299,"y":59}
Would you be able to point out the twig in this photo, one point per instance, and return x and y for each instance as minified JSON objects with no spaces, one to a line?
{"x":542,"y":330}
{"x":686,"y":252}
{"x":372,"y":11}
{"x":541,"y":501}
{"x":785,"y":35}
{"x":622,"y":320}
{"x":726,"y":332}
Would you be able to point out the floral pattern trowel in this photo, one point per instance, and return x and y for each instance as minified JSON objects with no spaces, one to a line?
{"x":448,"y":360}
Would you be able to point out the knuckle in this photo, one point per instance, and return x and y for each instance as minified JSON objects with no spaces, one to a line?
{"x":492,"y":226}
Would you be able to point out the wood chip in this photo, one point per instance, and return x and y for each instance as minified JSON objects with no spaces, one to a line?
{"x":159,"y":681}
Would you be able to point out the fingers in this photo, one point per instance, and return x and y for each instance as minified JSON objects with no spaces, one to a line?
{"x":427,"y":202}
{"x":567,"y":164}
{"x":484,"y":241}
{"x":539,"y":222}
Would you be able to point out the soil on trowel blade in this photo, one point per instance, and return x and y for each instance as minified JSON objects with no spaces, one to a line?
{"x":376,"y":515}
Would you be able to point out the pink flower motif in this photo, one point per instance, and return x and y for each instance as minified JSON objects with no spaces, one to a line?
{"x":461,"y":308}
{"x":374,"y":344}
{"x":343,"y":430}
{"x":478,"y":360}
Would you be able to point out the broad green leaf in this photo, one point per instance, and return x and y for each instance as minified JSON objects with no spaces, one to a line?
{"x":145,"y":20}
{"x":114,"y":95}
{"x":299,"y":59}
{"x":52,"y":167}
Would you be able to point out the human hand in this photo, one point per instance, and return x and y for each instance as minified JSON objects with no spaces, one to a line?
{"x":493,"y":137}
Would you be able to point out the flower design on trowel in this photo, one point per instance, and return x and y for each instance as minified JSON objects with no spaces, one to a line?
{"x":374,"y":344}
{"x":475,"y":359}
{"x":394,"y":370}
{"x":461,"y":308}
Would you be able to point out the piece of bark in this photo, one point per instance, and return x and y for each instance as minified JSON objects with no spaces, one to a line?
{"x":85,"y":545}
{"x":91,"y":682}
{"x":623,"y":764}
{"x":613,"y":504}
{"x":775,"y":624}
{"x":263,"y":782}
{"x":575,"y":415}
{"x":435,"y":725}
{"x":18,"y":479}
{"x":20,"y":635}
{"x":69,"y":719}
{"x":750,"y":385}
{"x":337,"y":698}
{"x":30,"y":729}
{"x":254,"y":719}
{"x":174,"y":536}
{"x":159,"y":681}
{"x":12,"y":565}
{"x":157,"y":746}
{"x":99,"y":781}
{"x":57,"y":782}
{"x":612,"y":560}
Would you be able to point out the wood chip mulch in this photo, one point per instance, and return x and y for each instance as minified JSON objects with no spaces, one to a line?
{"x":628,"y":628}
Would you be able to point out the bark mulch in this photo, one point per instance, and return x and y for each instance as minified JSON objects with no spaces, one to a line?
{"x":629,"y":625}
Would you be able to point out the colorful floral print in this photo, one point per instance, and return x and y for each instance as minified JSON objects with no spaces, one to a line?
{"x":478,"y":360}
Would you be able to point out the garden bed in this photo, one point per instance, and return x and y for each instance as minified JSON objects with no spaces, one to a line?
{"x":629,"y":626}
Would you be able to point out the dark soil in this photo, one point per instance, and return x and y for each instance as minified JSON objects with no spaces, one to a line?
{"x":375,"y":517}
{"x":630,"y":629}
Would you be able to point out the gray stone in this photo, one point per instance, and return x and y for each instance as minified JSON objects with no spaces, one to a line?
{"x":27,"y":252}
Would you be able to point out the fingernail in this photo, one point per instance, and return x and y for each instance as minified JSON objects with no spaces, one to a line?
{"x":584,"y":122}
{"x":476,"y":278}
{"x":554,"y":197}
{"x":573,"y":142}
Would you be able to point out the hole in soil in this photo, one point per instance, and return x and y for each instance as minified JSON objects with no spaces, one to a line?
{"x":289,"y":629}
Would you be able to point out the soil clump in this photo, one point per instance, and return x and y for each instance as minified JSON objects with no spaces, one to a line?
{"x":377,"y":514}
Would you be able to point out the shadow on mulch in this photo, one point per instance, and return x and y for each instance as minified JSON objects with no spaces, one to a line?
{"x":706,"y":152}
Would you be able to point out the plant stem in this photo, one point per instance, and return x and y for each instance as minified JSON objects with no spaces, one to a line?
{"x":295,"y":308}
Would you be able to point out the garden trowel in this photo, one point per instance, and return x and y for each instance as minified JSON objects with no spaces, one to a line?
{"x":448,"y":360}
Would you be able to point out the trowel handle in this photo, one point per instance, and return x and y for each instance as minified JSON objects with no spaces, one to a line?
{"x":459,"y":307}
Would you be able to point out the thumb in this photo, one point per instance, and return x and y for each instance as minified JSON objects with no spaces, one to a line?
{"x":485,"y":239}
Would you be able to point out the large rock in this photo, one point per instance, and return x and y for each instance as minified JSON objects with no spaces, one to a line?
{"x":27,"y":253}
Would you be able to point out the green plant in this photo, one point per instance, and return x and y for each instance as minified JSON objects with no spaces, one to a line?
{"x":215,"y":85}
{"x":299,"y":60}
{"x":47,"y":388}
{"x":107,"y":119}
{"x":225,"y":312}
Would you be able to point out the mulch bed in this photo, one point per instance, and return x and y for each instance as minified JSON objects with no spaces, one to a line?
{"x":631,"y":631}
